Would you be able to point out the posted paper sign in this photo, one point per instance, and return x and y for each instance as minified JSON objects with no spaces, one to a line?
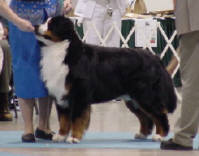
{"x":145,"y":33}
{"x":85,"y":8}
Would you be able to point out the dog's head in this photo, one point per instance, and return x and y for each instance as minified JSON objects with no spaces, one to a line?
{"x":56,"y":29}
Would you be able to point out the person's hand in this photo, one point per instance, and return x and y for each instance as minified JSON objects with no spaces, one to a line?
{"x":67,"y":6}
{"x":24,"y":25}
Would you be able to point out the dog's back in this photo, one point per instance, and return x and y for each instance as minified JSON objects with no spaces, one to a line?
{"x":116,"y":71}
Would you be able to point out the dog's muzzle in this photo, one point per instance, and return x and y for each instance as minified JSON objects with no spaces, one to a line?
{"x":36,"y":30}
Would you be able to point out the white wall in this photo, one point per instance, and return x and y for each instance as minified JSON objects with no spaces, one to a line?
{"x":158,"y":5}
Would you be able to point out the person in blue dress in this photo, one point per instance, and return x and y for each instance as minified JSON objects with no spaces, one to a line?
{"x":5,"y":59}
{"x":7,"y":13}
{"x":26,"y":70}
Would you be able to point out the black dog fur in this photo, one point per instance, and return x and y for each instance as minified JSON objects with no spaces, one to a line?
{"x":99,"y":74}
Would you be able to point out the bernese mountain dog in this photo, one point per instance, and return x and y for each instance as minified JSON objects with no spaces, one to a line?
{"x":77,"y":75}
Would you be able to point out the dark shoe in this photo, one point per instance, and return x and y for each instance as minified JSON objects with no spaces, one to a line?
{"x":170,"y":145}
{"x":29,"y":138}
{"x":43,"y":135}
{"x":6,"y":116}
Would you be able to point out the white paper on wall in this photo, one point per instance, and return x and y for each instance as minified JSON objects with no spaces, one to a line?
{"x":145,"y":33}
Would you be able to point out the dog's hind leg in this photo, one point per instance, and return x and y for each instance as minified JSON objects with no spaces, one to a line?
{"x":64,"y":125}
{"x":80,"y":125}
{"x":146,"y":124}
{"x":162,"y":124}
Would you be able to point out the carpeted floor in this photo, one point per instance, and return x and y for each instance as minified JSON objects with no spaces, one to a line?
{"x":115,"y":140}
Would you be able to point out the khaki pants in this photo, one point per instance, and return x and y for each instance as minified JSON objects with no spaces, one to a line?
{"x":6,"y":70}
{"x":187,"y":125}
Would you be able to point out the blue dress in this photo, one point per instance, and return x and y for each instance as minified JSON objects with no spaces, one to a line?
{"x":25,"y":49}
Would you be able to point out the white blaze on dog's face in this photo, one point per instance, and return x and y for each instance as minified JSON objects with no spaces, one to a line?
{"x":56,"y":29}
{"x":44,"y":27}
{"x":44,"y":35}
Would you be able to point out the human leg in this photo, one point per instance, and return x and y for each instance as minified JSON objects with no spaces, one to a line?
{"x":43,"y":130}
{"x":6,"y":72}
{"x":49,"y":113}
{"x":26,"y":75}
{"x":26,"y":106}
{"x":5,"y":114}
{"x":188,"y":122}
{"x":44,"y":113}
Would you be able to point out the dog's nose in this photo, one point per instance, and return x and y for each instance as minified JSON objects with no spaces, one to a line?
{"x":36,"y":29}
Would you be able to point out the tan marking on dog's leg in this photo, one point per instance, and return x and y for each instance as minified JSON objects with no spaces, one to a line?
{"x":143,"y":129}
{"x":143,"y":132}
{"x":65,"y":124}
{"x":165,"y":111}
{"x":172,"y":65}
{"x":67,"y":87}
{"x":143,"y":126}
{"x":80,"y":125}
{"x":159,"y":129}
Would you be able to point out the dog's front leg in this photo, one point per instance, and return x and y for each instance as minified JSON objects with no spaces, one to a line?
{"x":64,"y":125}
{"x":79,"y":125}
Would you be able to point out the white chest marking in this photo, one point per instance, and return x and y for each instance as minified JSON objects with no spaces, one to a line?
{"x":54,"y":71}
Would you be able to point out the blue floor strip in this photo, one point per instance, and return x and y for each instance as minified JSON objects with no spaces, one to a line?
{"x":9,"y":154}
{"x":12,"y":139}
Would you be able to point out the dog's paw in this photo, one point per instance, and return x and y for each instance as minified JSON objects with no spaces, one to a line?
{"x":140,"y":136}
{"x":72,"y":140}
{"x":157,"y":137}
{"x":59,"y":138}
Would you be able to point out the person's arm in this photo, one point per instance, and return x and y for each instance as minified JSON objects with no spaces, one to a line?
{"x":7,"y":13}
